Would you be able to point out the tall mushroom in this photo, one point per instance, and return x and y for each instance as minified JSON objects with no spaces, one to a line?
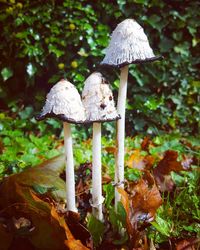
{"x":64,"y":102}
{"x":128,"y":45}
{"x":99,"y":106}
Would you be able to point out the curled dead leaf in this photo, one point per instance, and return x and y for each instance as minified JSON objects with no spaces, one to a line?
{"x":187,"y":244}
{"x":110,"y":150}
{"x":146,"y":198}
{"x":138,"y":161}
{"x":145,"y":143}
{"x":168,"y":164}
{"x":27,"y":197}
{"x":140,"y":204}
{"x":70,"y":242}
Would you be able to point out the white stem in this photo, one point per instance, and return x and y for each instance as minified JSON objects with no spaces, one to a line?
{"x":96,"y":172}
{"x":70,"y":180}
{"x":121,"y":106}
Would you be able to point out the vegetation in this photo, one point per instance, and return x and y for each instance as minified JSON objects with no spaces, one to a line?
{"x":169,"y":160}
{"x":42,"y":43}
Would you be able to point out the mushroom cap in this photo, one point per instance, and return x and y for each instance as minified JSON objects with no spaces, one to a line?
{"x":98,"y":99}
{"x":128,"y":45}
{"x":63,"y":102}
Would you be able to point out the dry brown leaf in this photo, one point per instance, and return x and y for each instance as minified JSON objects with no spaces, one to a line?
{"x":126,"y":204}
{"x":78,"y":230}
{"x":6,"y":237}
{"x":124,"y":200}
{"x":71,"y":242}
{"x":186,"y":244}
{"x":149,"y":161}
{"x":19,"y":200}
{"x":1,"y":147}
{"x":106,"y":179}
{"x":140,"y":205}
{"x":145,"y":143}
{"x":138,"y":161}
{"x":133,"y":233}
{"x":146,"y":196}
{"x":168,"y":164}
{"x":110,"y":150}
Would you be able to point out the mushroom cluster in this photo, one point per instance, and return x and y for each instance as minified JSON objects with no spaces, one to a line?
{"x":128,"y":45}
{"x":97,"y":105}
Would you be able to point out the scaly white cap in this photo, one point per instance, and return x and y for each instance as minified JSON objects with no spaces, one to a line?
{"x":128,"y":45}
{"x":98,"y":99}
{"x":63,"y":102}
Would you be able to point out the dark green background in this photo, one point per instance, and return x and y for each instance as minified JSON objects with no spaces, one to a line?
{"x":37,"y":38}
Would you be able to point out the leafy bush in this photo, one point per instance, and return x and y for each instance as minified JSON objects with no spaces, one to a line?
{"x":41,"y":43}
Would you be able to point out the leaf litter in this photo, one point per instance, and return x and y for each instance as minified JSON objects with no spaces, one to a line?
{"x":33,"y":209}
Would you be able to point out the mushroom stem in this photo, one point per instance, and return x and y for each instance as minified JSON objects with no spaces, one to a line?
{"x":70,"y":180}
{"x":121,"y":106}
{"x":97,"y":198}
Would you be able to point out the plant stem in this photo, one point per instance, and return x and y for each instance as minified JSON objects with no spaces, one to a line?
{"x":70,"y":180}
{"x":96,"y":172}
{"x":121,"y":106}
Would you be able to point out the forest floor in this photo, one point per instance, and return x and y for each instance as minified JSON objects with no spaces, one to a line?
{"x":159,"y":208}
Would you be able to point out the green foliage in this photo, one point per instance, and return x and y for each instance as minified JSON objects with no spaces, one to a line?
{"x":96,"y":228}
{"x":20,"y":147}
{"x":42,"y":43}
{"x":132,"y":174}
{"x":109,"y":195}
{"x":118,"y":222}
{"x":179,"y":216}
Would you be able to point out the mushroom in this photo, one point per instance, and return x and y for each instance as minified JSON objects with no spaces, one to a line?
{"x":64,"y":102}
{"x":99,"y":106}
{"x":128,"y":45}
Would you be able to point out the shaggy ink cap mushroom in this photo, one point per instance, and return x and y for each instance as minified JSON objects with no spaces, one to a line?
{"x":128,"y":45}
{"x":63,"y":102}
{"x":97,"y":99}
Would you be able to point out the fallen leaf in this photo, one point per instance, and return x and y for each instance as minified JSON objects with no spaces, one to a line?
{"x":149,"y":161}
{"x":106,"y":179}
{"x":110,"y":150}
{"x":22,"y":202}
{"x":6,"y":237}
{"x":126,"y":204}
{"x":168,"y":164}
{"x":19,"y":200}
{"x":138,"y":161}
{"x":77,"y":229}
{"x":188,"y":244}
{"x":146,"y":197}
{"x":1,"y":147}
{"x":71,"y":242}
{"x":140,"y":204}
{"x":145,"y":143}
